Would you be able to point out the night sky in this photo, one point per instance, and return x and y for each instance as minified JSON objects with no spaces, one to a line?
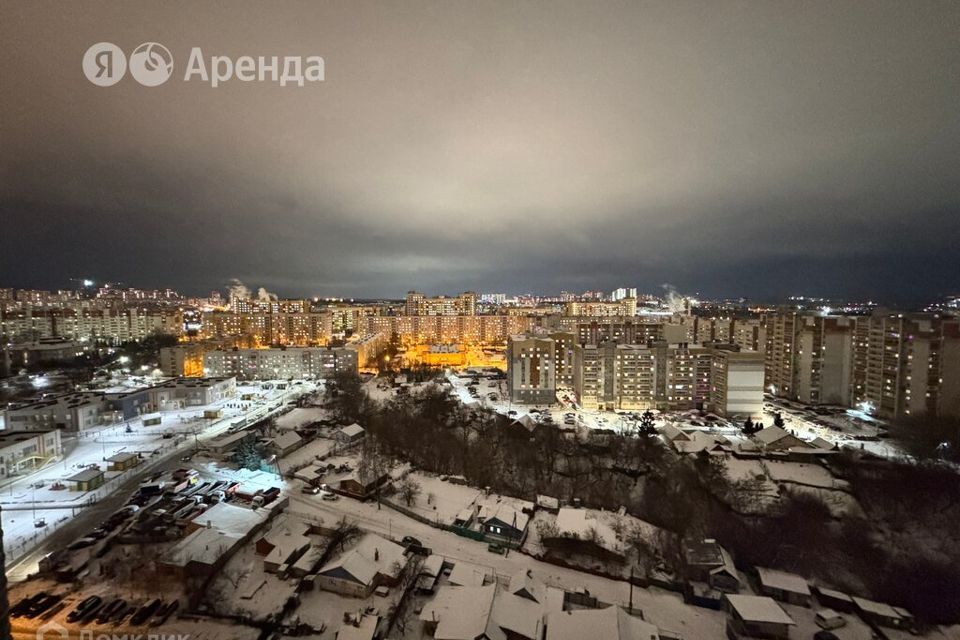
{"x":731,"y":148}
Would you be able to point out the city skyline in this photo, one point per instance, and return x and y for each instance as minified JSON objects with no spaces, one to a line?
{"x":755,"y":151}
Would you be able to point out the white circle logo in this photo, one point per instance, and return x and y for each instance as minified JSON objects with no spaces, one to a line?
{"x":151,"y":64}
{"x":104,"y":64}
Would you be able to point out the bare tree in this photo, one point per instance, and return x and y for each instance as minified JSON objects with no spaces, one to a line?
{"x":409,"y":490}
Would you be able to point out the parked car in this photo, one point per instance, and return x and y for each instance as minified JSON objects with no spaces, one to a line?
{"x":112,"y":609}
{"x":165,"y":612}
{"x":84,"y":607}
{"x":144,"y":612}
{"x":310,"y":490}
{"x":42,"y":605}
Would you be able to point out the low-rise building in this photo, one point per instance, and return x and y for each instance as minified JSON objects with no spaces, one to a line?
{"x":26,"y":450}
{"x":468,"y":613}
{"x":373,"y":562}
{"x":710,"y":563}
{"x":613,"y":623}
{"x":123,"y":461}
{"x":349,"y":434}
{"x":783,"y":586}
{"x":756,"y":617}
{"x":87,"y":480}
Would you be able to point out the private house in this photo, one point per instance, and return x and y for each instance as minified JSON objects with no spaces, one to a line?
{"x":777,"y":439}
{"x":836,"y":600}
{"x":756,"y":617}
{"x":612,"y":623}
{"x":87,"y":480}
{"x":360,"y":486}
{"x":201,"y":553}
{"x":524,"y":585}
{"x":883,"y":614}
{"x":471,"y":613}
{"x":212,"y":538}
{"x":284,"y":443}
{"x":224,"y":445}
{"x":466,"y":574}
{"x":349,"y":434}
{"x":709,"y":563}
{"x":783,"y":586}
{"x":692,"y":441}
{"x":123,"y":461}
{"x":283,"y":544}
{"x":503,"y":522}
{"x":373,"y":562}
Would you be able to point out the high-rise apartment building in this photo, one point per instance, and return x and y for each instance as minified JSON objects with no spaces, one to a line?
{"x":418,"y":304}
{"x":531,"y":372}
{"x":890,"y":364}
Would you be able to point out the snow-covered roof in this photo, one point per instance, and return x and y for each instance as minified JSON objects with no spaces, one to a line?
{"x":352,"y":430}
{"x":672,"y":433}
{"x":577,"y":523}
{"x":229,"y":518}
{"x":876,"y":608}
{"x":86,"y":475}
{"x":612,"y":623}
{"x":372,"y":555}
{"x":432,"y":566}
{"x":286,"y":439}
{"x":461,"y":613}
{"x":287,"y":535}
{"x":783,"y":581}
{"x":465,"y":574}
{"x":363,"y":630}
{"x":769,"y":435}
{"x":506,"y":514}
{"x":123,"y":457}
{"x":697,"y":441}
{"x":832,"y":593}
{"x":524,"y":584}
{"x":204,"y":546}
{"x":548,"y":502}
{"x":759,"y":609}
{"x":466,"y":613}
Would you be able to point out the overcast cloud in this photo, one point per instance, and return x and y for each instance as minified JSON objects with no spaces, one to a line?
{"x":731,"y":148}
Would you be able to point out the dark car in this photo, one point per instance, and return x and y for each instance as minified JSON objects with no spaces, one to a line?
{"x":111,"y":610}
{"x":90,"y":614}
{"x":83,"y":608}
{"x":22,"y":607}
{"x":165,"y":612}
{"x":39,"y":606}
{"x":409,"y":540}
{"x":143,"y":613}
